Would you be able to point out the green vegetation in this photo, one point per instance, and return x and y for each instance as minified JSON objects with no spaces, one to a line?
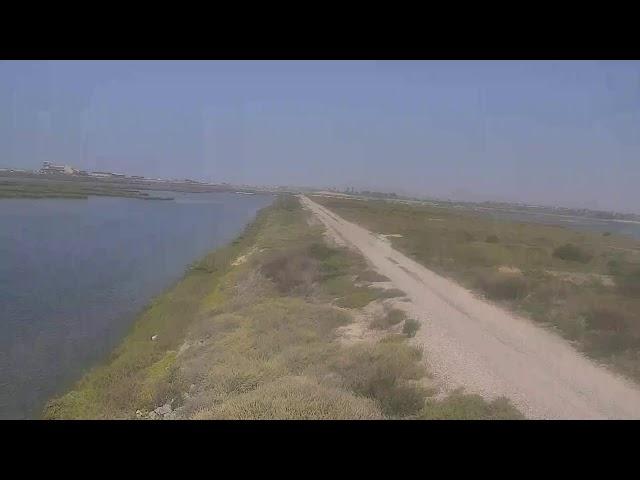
{"x":70,"y":190}
{"x":628,"y":281}
{"x":250,"y":333}
{"x":492,"y":239}
{"x":572,"y":253}
{"x":459,"y":406}
{"x":410,"y":327}
{"x":585,"y":285}
{"x":371,"y":276}
{"x":503,"y":286}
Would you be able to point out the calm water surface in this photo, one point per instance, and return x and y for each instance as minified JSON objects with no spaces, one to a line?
{"x":73,"y":274}
{"x":629,"y":229}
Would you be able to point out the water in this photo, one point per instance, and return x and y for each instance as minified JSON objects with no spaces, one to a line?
{"x":73,"y":274}
{"x":630,"y":229}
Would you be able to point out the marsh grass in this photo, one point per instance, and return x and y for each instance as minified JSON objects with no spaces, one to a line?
{"x":53,"y":189}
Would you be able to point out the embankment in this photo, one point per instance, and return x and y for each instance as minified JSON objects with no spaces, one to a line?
{"x":277,"y":325}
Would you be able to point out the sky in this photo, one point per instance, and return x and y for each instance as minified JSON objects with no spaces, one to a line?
{"x":553,"y":133}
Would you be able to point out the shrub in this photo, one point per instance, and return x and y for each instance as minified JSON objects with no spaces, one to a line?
{"x":573,"y":326}
{"x":389,"y":319}
{"x":492,"y":239}
{"x":359,"y":298}
{"x":410,"y":327}
{"x":606,"y":343}
{"x":629,"y":283}
{"x":337,"y":286}
{"x":459,"y":406}
{"x":464,"y":237}
{"x":320,"y":251}
{"x":389,"y":293}
{"x":371,"y":276}
{"x":614,"y":266}
{"x":384,"y":372}
{"x":499,"y":286}
{"x":572,"y":253}
{"x":291,"y":272}
{"x":607,"y":318}
{"x":335,"y":265}
{"x":294,"y":398}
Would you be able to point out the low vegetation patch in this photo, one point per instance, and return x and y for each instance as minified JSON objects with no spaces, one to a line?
{"x":572,"y":253}
{"x":388,"y":319}
{"x":460,"y":406}
{"x":410,"y":327}
{"x":371,"y":276}
{"x":294,"y":398}
{"x":492,"y":239}
{"x":40,"y":188}
{"x":503,"y":286}
{"x":629,"y":282}
{"x":385,"y":371}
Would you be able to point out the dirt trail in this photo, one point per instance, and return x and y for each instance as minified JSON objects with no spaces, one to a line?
{"x":487,"y":350}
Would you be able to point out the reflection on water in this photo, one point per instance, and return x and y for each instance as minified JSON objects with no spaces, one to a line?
{"x":630,"y":229}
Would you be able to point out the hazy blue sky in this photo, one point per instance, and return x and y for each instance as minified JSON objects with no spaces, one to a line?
{"x":543,"y":132}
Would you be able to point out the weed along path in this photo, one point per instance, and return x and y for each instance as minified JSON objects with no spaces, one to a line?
{"x":471,"y":343}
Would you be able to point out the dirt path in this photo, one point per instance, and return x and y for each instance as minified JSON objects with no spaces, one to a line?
{"x":471,"y":343}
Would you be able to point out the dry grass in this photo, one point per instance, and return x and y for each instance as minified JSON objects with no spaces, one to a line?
{"x":384,"y":371}
{"x":460,"y":406}
{"x":294,"y":398}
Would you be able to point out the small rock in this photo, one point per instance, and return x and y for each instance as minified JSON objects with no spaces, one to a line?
{"x":163,"y":410}
{"x":154,"y":337}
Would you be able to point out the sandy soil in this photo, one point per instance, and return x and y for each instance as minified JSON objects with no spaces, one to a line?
{"x":474,"y":344}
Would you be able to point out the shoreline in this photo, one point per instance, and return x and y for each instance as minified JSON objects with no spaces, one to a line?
{"x":204,"y":272}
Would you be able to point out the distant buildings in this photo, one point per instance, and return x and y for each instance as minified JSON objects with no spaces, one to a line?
{"x":49,"y":168}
